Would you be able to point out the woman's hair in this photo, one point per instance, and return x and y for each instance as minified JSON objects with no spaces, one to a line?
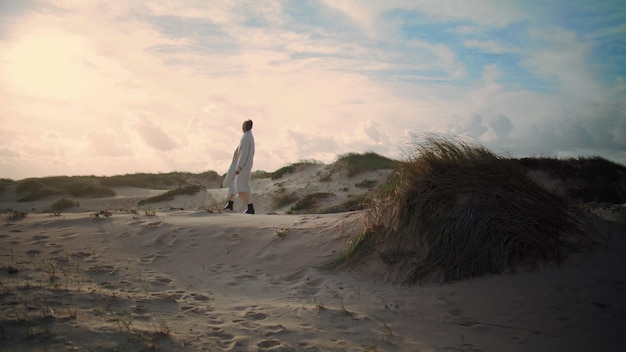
{"x":247,"y":125}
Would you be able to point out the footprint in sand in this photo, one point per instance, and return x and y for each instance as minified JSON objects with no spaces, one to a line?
{"x":256,"y":316}
{"x":274,"y":329}
{"x":33,"y":252}
{"x":301,"y":283}
{"x":273,"y":345}
{"x":38,"y":239}
{"x":68,"y":235}
{"x":200,"y":297}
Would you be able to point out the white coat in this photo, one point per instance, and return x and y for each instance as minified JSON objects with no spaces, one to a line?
{"x":245,"y":159}
{"x":229,"y":180}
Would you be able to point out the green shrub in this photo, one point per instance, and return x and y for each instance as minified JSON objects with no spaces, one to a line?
{"x":63,"y":204}
{"x":457,"y":210}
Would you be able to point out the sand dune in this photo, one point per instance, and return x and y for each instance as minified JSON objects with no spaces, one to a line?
{"x":191,"y":280}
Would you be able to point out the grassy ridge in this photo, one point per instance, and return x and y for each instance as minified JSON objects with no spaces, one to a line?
{"x":186,"y":190}
{"x":32,"y":189}
{"x":455,"y":210}
{"x":586,"y":179}
{"x":355,"y":164}
{"x":289,"y":169}
{"x":78,"y":186}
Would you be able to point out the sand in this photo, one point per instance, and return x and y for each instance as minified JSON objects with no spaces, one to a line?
{"x":185,"y":279}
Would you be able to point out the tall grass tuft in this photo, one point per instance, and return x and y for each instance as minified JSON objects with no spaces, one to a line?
{"x":455,"y":210}
{"x":63,"y":204}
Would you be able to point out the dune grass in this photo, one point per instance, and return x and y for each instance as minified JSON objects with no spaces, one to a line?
{"x":186,"y":190}
{"x":352,"y":203}
{"x":587,"y":179}
{"x":280,"y":197}
{"x":33,"y":189}
{"x":5,"y":183}
{"x":289,"y":169}
{"x":456,"y":210}
{"x":354,"y":163}
{"x":63,"y":204}
{"x":310,"y":202}
{"x":147,"y":181}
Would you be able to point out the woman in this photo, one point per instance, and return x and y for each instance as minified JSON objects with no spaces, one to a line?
{"x":244,"y":157}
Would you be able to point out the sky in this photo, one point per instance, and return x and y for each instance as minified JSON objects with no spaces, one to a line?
{"x":118,"y":87}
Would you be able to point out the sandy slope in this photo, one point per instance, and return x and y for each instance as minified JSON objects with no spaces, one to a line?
{"x":191,"y":280}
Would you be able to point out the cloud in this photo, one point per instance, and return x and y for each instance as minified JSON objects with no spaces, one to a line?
{"x":106,"y":143}
{"x":153,"y":135}
{"x":489,"y":46}
{"x":601,"y":126}
{"x":8,"y":153}
{"x":501,"y":125}
{"x":562,"y":59}
{"x":472,"y":126}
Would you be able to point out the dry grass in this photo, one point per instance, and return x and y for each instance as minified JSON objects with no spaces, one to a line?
{"x":456,"y":210}
{"x":310,"y":202}
{"x":50,"y":303}
{"x":355,"y":164}
{"x":585,"y":179}
{"x":63,"y":204}
{"x":186,"y":190}
{"x":31,"y":189}
{"x":289,"y":169}
{"x":78,"y":186}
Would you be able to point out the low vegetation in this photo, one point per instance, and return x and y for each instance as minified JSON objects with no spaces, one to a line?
{"x":585,"y":179}
{"x":63,"y":204}
{"x":170,"y":195}
{"x":310,"y":202}
{"x":147,"y":181}
{"x":354,"y":164}
{"x":280,"y":197}
{"x":455,"y":210}
{"x":32,"y":189}
{"x":353,"y":203}
{"x":5,"y":183}
{"x":289,"y":169}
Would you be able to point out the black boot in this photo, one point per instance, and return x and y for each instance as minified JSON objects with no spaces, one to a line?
{"x":229,"y":206}
{"x":250,"y":209}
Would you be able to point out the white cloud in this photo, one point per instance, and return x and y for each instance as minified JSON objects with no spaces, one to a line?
{"x":106,"y":143}
{"x":489,"y":46}
{"x":563,"y":59}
